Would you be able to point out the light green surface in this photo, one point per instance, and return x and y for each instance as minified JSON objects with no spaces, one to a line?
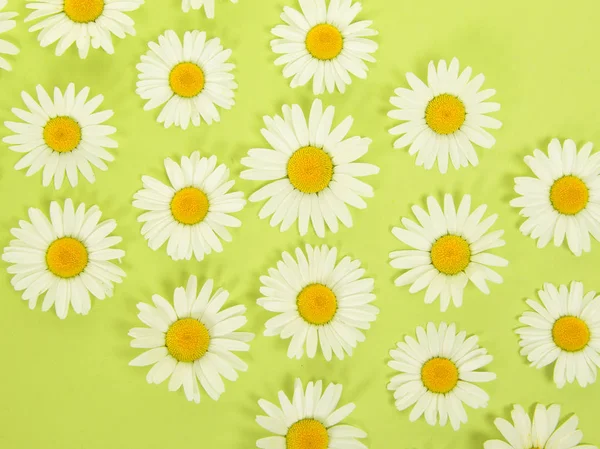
{"x":66,"y":384}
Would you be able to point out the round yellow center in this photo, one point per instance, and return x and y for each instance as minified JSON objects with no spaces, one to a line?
{"x":445,"y":114}
{"x":310,"y":169}
{"x":62,"y":134}
{"x":187,"y":340}
{"x":186,"y":79}
{"x":189,"y":206}
{"x":307,"y":434}
{"x":324,"y":41}
{"x":569,"y":195}
{"x":439,"y":375}
{"x":83,"y":11}
{"x":571,"y":333}
{"x":317,"y":304}
{"x":66,"y":257}
{"x":450,"y":254}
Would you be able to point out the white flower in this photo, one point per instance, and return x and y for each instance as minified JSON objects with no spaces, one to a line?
{"x":6,"y":24}
{"x":209,"y":6}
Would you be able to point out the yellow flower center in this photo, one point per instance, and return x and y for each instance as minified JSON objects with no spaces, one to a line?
{"x":569,"y":195}
{"x":187,"y":340}
{"x":450,"y":254}
{"x":445,"y":114}
{"x":83,"y":11}
{"x":439,"y":375}
{"x":307,"y":434}
{"x":317,"y":304}
{"x":186,"y":79}
{"x":324,"y":41}
{"x":571,"y":333}
{"x":62,"y":134}
{"x":66,"y":257}
{"x":189,"y":205}
{"x":310,"y":169}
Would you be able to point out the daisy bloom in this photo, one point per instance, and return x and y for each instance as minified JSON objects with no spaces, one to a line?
{"x":563,"y":200}
{"x":438,"y":372}
{"x":564,"y":329}
{"x":192,"y":77}
{"x":209,"y":6}
{"x":68,"y":257}
{"x":318,"y":301}
{"x":310,"y":420}
{"x":311,"y":170}
{"x":444,"y":118}
{"x":6,"y":24}
{"x":541,"y":432}
{"x":323,"y":43}
{"x":450,"y":247}
{"x":192,"y":213}
{"x":195,"y":338}
{"x":64,"y":135}
{"x":82,"y":22}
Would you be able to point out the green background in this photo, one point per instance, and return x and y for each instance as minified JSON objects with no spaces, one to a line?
{"x":66,"y":384}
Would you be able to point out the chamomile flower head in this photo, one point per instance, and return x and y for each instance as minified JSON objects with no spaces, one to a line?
{"x":209,"y":6}
{"x":312,"y":170}
{"x":562,"y":201}
{"x":563,"y":329}
{"x":191,"y":78}
{"x":450,"y":247}
{"x":445,"y":117}
{"x":438,"y":373}
{"x":68,"y":257}
{"x":192,"y":340}
{"x":6,"y":24}
{"x":84,"y":23}
{"x":324,"y":44}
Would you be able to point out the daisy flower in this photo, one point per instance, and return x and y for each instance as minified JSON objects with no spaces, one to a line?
{"x":195,"y":338}
{"x":318,"y":301}
{"x":192,"y":213}
{"x":6,"y":24}
{"x":68,"y":257}
{"x":82,"y":22}
{"x":541,"y":432}
{"x":451,"y":247}
{"x":444,"y":118}
{"x":564,"y":329}
{"x":311,"y":419}
{"x":192,"y":77}
{"x":209,"y":6}
{"x":62,"y":136}
{"x":438,"y":372}
{"x":323,"y":44}
{"x":563,"y":200}
{"x":311,"y":170}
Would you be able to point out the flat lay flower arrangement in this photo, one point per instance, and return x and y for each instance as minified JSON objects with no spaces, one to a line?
{"x":299,"y":224}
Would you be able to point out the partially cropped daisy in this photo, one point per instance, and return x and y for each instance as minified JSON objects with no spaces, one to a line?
{"x":82,"y":22}
{"x":310,"y":420}
{"x":319,"y":302}
{"x":193,"y":212}
{"x":564,"y":329}
{"x":6,"y":24}
{"x":444,"y":118}
{"x":312,"y":170}
{"x":541,"y":432}
{"x":209,"y":6}
{"x":323,"y":43}
{"x":563,"y":200}
{"x":191,"y":78}
{"x":192,"y":340}
{"x":67,"y":257}
{"x":438,"y":373}
{"x":450,"y":247}
{"x":62,"y":136}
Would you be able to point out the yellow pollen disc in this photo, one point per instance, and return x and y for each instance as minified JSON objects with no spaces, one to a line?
{"x":450,"y":254}
{"x":569,"y":195}
{"x":310,"y":169}
{"x":187,"y":340}
{"x":571,"y":333}
{"x":307,"y":434}
{"x":186,"y":79}
{"x":66,"y":257}
{"x":445,"y":114}
{"x":62,"y":134}
{"x":83,"y":11}
{"x":324,"y":41}
{"x":439,"y":375}
{"x":189,"y":206}
{"x":317,"y":304}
